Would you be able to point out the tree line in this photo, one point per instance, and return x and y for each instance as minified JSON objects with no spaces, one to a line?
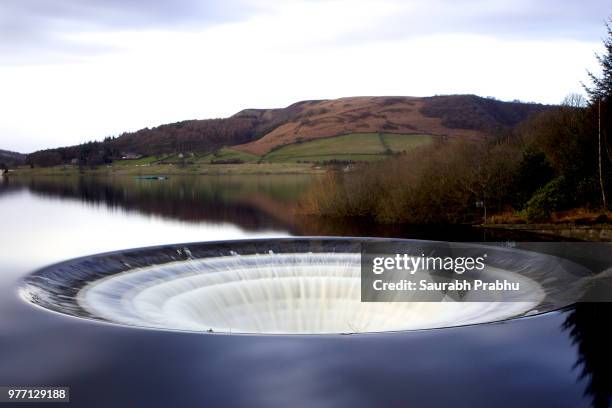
{"x":181,"y":137}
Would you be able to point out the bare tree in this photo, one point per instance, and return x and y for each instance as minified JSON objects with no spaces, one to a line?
{"x":601,"y":92}
{"x":601,"y":182}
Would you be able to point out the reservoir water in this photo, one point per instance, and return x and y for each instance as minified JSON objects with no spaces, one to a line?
{"x":558,"y":359}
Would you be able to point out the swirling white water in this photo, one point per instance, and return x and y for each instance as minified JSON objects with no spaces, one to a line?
{"x":288,"y":293}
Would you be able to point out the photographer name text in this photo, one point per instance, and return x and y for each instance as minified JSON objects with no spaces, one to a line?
{"x":456,"y":285}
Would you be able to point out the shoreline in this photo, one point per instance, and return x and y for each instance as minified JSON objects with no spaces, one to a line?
{"x":170,"y":170}
{"x":585,"y":232}
{"x":581,"y":230}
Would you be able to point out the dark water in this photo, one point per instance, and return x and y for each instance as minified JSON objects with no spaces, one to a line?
{"x":560,"y":359}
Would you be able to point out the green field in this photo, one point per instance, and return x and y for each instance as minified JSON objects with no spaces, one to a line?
{"x":221,"y":154}
{"x":355,"y":146}
{"x":296,"y":158}
{"x":140,"y":162}
{"x":400,"y":143}
{"x":351,"y":147}
{"x":229,"y":154}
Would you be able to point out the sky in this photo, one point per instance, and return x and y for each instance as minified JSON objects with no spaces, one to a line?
{"x":78,"y":70}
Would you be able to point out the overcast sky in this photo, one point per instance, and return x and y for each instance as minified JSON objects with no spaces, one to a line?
{"x":79,"y":70}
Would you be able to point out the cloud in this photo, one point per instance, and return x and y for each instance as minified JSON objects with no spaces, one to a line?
{"x":507,"y":19}
{"x":41,"y":31}
{"x":38,"y":31}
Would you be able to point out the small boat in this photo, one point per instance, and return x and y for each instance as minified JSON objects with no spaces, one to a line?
{"x":151,"y":177}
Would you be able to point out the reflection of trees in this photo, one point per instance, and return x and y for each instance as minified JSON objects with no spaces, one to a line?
{"x":250,"y":202}
{"x":192,"y":199}
{"x":590,"y":330}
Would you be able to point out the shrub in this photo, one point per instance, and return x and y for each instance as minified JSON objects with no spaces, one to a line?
{"x":552,"y":197}
{"x":227,"y":161}
{"x":431,"y":184}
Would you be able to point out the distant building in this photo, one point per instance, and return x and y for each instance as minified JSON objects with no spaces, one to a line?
{"x":74,"y":161}
{"x":131,"y":156}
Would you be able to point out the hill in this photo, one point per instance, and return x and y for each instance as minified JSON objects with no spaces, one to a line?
{"x":451,"y":116}
{"x":256,"y":133}
{"x":11,"y":159}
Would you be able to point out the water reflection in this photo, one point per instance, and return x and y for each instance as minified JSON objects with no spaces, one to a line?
{"x":251,"y":202}
{"x":591,"y":334}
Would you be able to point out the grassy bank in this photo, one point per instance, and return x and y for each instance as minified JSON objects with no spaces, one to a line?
{"x":574,"y":216}
{"x":171,"y":169}
{"x":595,"y":232}
{"x":578,"y":223}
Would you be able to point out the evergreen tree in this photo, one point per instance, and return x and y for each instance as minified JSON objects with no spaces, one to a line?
{"x":602,"y":86}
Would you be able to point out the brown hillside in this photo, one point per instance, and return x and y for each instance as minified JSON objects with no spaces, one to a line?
{"x":318,"y":119}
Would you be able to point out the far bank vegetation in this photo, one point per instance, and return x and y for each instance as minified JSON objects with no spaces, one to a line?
{"x":545,"y":165}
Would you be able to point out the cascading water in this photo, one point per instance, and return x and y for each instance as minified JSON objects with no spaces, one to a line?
{"x":307,"y":287}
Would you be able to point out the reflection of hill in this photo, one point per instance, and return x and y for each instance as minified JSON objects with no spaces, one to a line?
{"x":249,"y":202}
{"x":6,"y":187}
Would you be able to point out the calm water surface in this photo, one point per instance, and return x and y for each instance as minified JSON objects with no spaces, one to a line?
{"x":561,"y":359}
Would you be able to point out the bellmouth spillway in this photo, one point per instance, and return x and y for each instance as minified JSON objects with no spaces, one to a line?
{"x":291,"y":286}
